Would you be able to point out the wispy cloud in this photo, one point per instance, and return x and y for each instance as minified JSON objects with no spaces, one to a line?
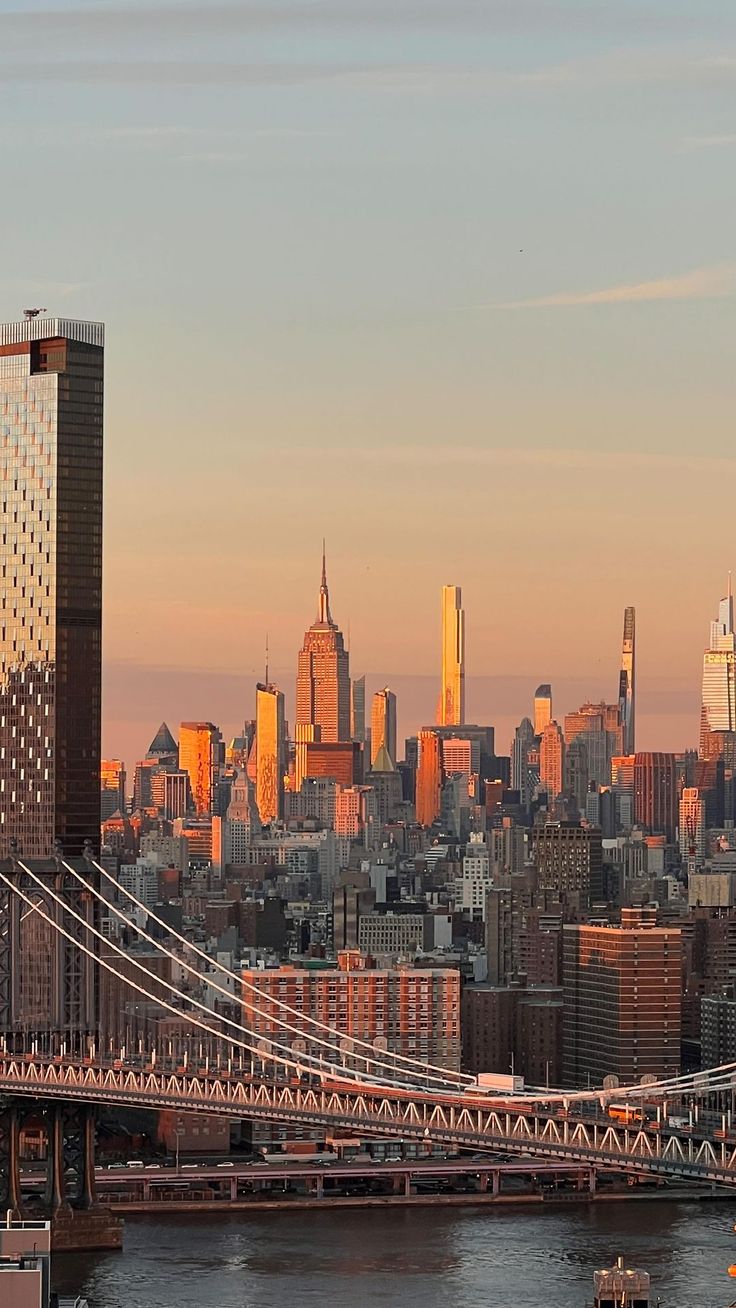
{"x":151,"y":19}
{"x":529,"y":458}
{"x":709,"y":142}
{"x":52,"y":290}
{"x":718,"y":282}
{"x":171,"y":73}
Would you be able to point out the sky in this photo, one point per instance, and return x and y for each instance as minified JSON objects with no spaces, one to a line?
{"x":450,"y":282}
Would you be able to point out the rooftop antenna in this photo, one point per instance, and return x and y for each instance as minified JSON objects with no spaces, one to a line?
{"x":267,"y":682}
{"x":30,"y":314}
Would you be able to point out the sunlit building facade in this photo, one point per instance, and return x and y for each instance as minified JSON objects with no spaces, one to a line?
{"x":627,"y":684}
{"x":430,"y":776}
{"x":199,"y":747}
{"x":383,"y":724}
{"x":622,"y":1000}
{"x":655,"y":793}
{"x":323,"y":675}
{"x":552,"y":760}
{"x":51,"y":413}
{"x":542,"y":707}
{"x":270,"y":752}
{"x":112,"y":787}
{"x":718,"y":713}
{"x":452,"y":693}
{"x":406,"y":1011}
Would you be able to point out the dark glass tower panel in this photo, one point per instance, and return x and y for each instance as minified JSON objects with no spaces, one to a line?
{"x":51,"y":414}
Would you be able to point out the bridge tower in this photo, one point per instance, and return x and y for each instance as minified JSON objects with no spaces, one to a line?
{"x":49,"y":989}
{"x":49,"y":1002}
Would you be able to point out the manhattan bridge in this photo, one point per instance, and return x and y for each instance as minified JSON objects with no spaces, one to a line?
{"x":55,"y":1064}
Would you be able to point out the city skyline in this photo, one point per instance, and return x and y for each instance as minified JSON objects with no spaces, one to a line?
{"x":436,"y":902}
{"x":667,"y":713}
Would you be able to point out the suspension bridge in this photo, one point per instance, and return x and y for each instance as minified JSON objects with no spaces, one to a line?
{"x":307,"y":1073}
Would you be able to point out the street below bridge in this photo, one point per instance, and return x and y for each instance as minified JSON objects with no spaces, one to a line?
{"x":239,"y":1186}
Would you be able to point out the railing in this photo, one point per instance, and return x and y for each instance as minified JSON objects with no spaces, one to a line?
{"x":587,"y":1136}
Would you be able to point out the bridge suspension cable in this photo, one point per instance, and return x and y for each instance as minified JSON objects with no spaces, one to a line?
{"x":407,"y":1062}
{"x":375,"y":1061}
{"x":717,"y":1076}
{"x":286,"y":1057}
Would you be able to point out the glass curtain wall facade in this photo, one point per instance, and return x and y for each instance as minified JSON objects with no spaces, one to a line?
{"x":51,"y":422}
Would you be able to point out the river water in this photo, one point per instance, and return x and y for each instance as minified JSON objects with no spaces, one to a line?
{"x":412,"y":1258}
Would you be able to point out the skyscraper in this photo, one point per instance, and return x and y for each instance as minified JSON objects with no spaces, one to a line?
{"x":452,"y":695}
{"x":596,"y":729}
{"x":569,"y":860}
{"x":623,"y":1005}
{"x":552,"y":761}
{"x":112,"y":787}
{"x":718,"y":711}
{"x":270,"y":752}
{"x":383,"y":724}
{"x":521,"y":746}
{"x":429,"y":778}
{"x":198,"y":756}
{"x":357,"y":709}
{"x":691,"y":832}
{"x":542,"y":707}
{"x":51,"y":401}
{"x":627,"y":682}
{"x":323,"y":676}
{"x":655,"y":793}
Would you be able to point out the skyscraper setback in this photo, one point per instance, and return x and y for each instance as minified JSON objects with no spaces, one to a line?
{"x":451,"y":710}
{"x":323,"y":676}
{"x":627,"y":682}
{"x":51,"y":408}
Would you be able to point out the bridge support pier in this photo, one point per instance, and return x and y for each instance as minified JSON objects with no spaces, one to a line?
{"x":55,"y":1197}
{"x":87,"y":1195}
{"x":10,"y":1196}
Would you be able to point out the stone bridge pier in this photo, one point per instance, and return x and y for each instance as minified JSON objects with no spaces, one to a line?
{"x":69,"y":1198}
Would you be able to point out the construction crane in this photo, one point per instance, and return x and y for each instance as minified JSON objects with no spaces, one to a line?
{"x":29,"y":314}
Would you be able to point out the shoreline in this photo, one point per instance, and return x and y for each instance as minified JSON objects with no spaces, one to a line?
{"x":169,"y":1208}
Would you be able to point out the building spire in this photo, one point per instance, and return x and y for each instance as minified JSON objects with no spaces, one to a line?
{"x":324,"y":594}
{"x":267,"y":681}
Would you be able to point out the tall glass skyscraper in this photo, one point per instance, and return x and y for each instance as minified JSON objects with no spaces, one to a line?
{"x":51,"y":408}
{"x":383,"y":724}
{"x":451,"y":712}
{"x":627,"y":683}
{"x":542,"y":707}
{"x":718,"y":711}
{"x":270,"y":751}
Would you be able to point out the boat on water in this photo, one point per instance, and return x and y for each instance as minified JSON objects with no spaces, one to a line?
{"x":623,"y":1287}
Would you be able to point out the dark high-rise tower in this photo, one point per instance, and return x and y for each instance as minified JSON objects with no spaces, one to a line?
{"x":51,"y":399}
{"x":627,"y":682}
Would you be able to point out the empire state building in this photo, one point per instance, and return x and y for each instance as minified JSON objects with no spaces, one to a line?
{"x":323,"y":677}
